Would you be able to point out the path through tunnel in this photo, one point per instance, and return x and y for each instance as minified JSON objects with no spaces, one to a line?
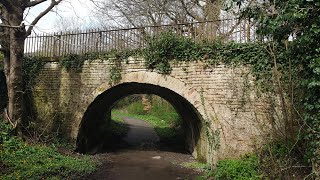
{"x":95,"y":122}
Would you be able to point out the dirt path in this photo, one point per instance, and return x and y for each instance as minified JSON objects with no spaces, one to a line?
{"x":140,"y":133}
{"x":137,"y":164}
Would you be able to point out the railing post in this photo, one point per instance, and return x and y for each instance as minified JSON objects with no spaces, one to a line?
{"x":98,"y":40}
{"x":56,"y":45}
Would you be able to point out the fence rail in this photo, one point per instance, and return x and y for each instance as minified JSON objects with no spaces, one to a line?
{"x":96,"y":40}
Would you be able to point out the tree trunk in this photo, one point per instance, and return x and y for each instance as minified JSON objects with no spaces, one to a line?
{"x":14,"y":76}
{"x":6,"y":65}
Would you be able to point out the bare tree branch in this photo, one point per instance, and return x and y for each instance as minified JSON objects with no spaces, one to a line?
{"x":35,"y":21}
{"x":34,"y":3}
{"x":187,"y":10}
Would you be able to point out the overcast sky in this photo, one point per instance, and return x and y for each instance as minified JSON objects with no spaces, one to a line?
{"x":76,"y":10}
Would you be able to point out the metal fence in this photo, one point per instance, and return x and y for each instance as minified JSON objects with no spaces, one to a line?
{"x":96,"y":40}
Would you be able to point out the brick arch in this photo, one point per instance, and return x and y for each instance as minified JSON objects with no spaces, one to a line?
{"x":186,"y":99}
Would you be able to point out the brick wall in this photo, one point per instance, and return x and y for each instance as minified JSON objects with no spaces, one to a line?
{"x":222,"y":95}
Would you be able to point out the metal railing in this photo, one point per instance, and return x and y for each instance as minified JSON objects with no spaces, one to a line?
{"x":96,"y":40}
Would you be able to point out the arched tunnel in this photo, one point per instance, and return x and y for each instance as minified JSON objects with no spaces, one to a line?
{"x":98,"y":114}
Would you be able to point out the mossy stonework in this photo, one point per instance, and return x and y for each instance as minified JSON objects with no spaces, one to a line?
{"x":225,"y":118}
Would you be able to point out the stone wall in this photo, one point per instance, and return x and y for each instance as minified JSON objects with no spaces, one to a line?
{"x":222,"y":96}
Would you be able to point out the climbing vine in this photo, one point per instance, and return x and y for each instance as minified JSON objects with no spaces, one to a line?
{"x":168,"y":47}
{"x":73,"y":62}
{"x":299,"y":22}
{"x":213,"y":135}
{"x":31,"y":69}
{"x":116,"y":58}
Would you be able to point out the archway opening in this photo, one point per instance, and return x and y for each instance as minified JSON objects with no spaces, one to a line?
{"x":145,"y":121}
{"x":97,"y":118}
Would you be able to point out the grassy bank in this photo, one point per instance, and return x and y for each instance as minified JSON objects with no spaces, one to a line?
{"x":20,"y":160}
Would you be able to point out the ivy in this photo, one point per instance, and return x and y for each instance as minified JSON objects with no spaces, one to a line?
{"x":31,"y":69}
{"x":74,"y":62}
{"x":115,"y":74}
{"x":300,"y":20}
{"x":168,"y":47}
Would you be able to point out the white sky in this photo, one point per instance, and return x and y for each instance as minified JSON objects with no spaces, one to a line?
{"x":78,"y":10}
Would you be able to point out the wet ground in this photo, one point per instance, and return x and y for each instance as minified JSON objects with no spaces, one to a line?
{"x":142,"y":162}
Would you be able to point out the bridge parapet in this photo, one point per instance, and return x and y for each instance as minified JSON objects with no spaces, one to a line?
{"x":96,"y":40}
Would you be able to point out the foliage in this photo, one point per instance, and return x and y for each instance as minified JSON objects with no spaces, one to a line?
{"x":121,"y":55}
{"x":245,"y":168}
{"x":300,"y":20}
{"x":73,"y":62}
{"x":282,"y":160}
{"x":166,"y":47}
{"x":20,"y":160}
{"x":135,"y":108}
{"x":31,"y":69}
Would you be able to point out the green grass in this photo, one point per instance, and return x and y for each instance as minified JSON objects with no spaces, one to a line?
{"x":164,"y":128}
{"x":19,"y":160}
{"x":196,"y":165}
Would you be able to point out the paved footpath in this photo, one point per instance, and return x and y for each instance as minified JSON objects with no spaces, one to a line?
{"x":142,"y":164}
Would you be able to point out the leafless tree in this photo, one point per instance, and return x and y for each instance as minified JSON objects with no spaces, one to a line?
{"x":154,"y":12}
{"x":12,"y":37}
{"x":138,"y":13}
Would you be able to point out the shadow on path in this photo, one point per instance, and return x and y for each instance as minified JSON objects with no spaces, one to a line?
{"x":138,"y":163}
{"x":140,"y":134}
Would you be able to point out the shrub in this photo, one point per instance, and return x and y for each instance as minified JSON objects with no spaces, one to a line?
{"x":136,"y":108}
{"x":238,"y":169}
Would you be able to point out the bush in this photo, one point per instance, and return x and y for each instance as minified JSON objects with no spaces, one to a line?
{"x":135,"y":108}
{"x":282,"y":159}
{"x":238,"y":169}
{"x":168,"y":46}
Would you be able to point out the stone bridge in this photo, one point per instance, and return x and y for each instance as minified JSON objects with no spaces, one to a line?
{"x":223,"y":116}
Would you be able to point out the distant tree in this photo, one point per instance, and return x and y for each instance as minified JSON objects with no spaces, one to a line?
{"x":136,"y":13}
